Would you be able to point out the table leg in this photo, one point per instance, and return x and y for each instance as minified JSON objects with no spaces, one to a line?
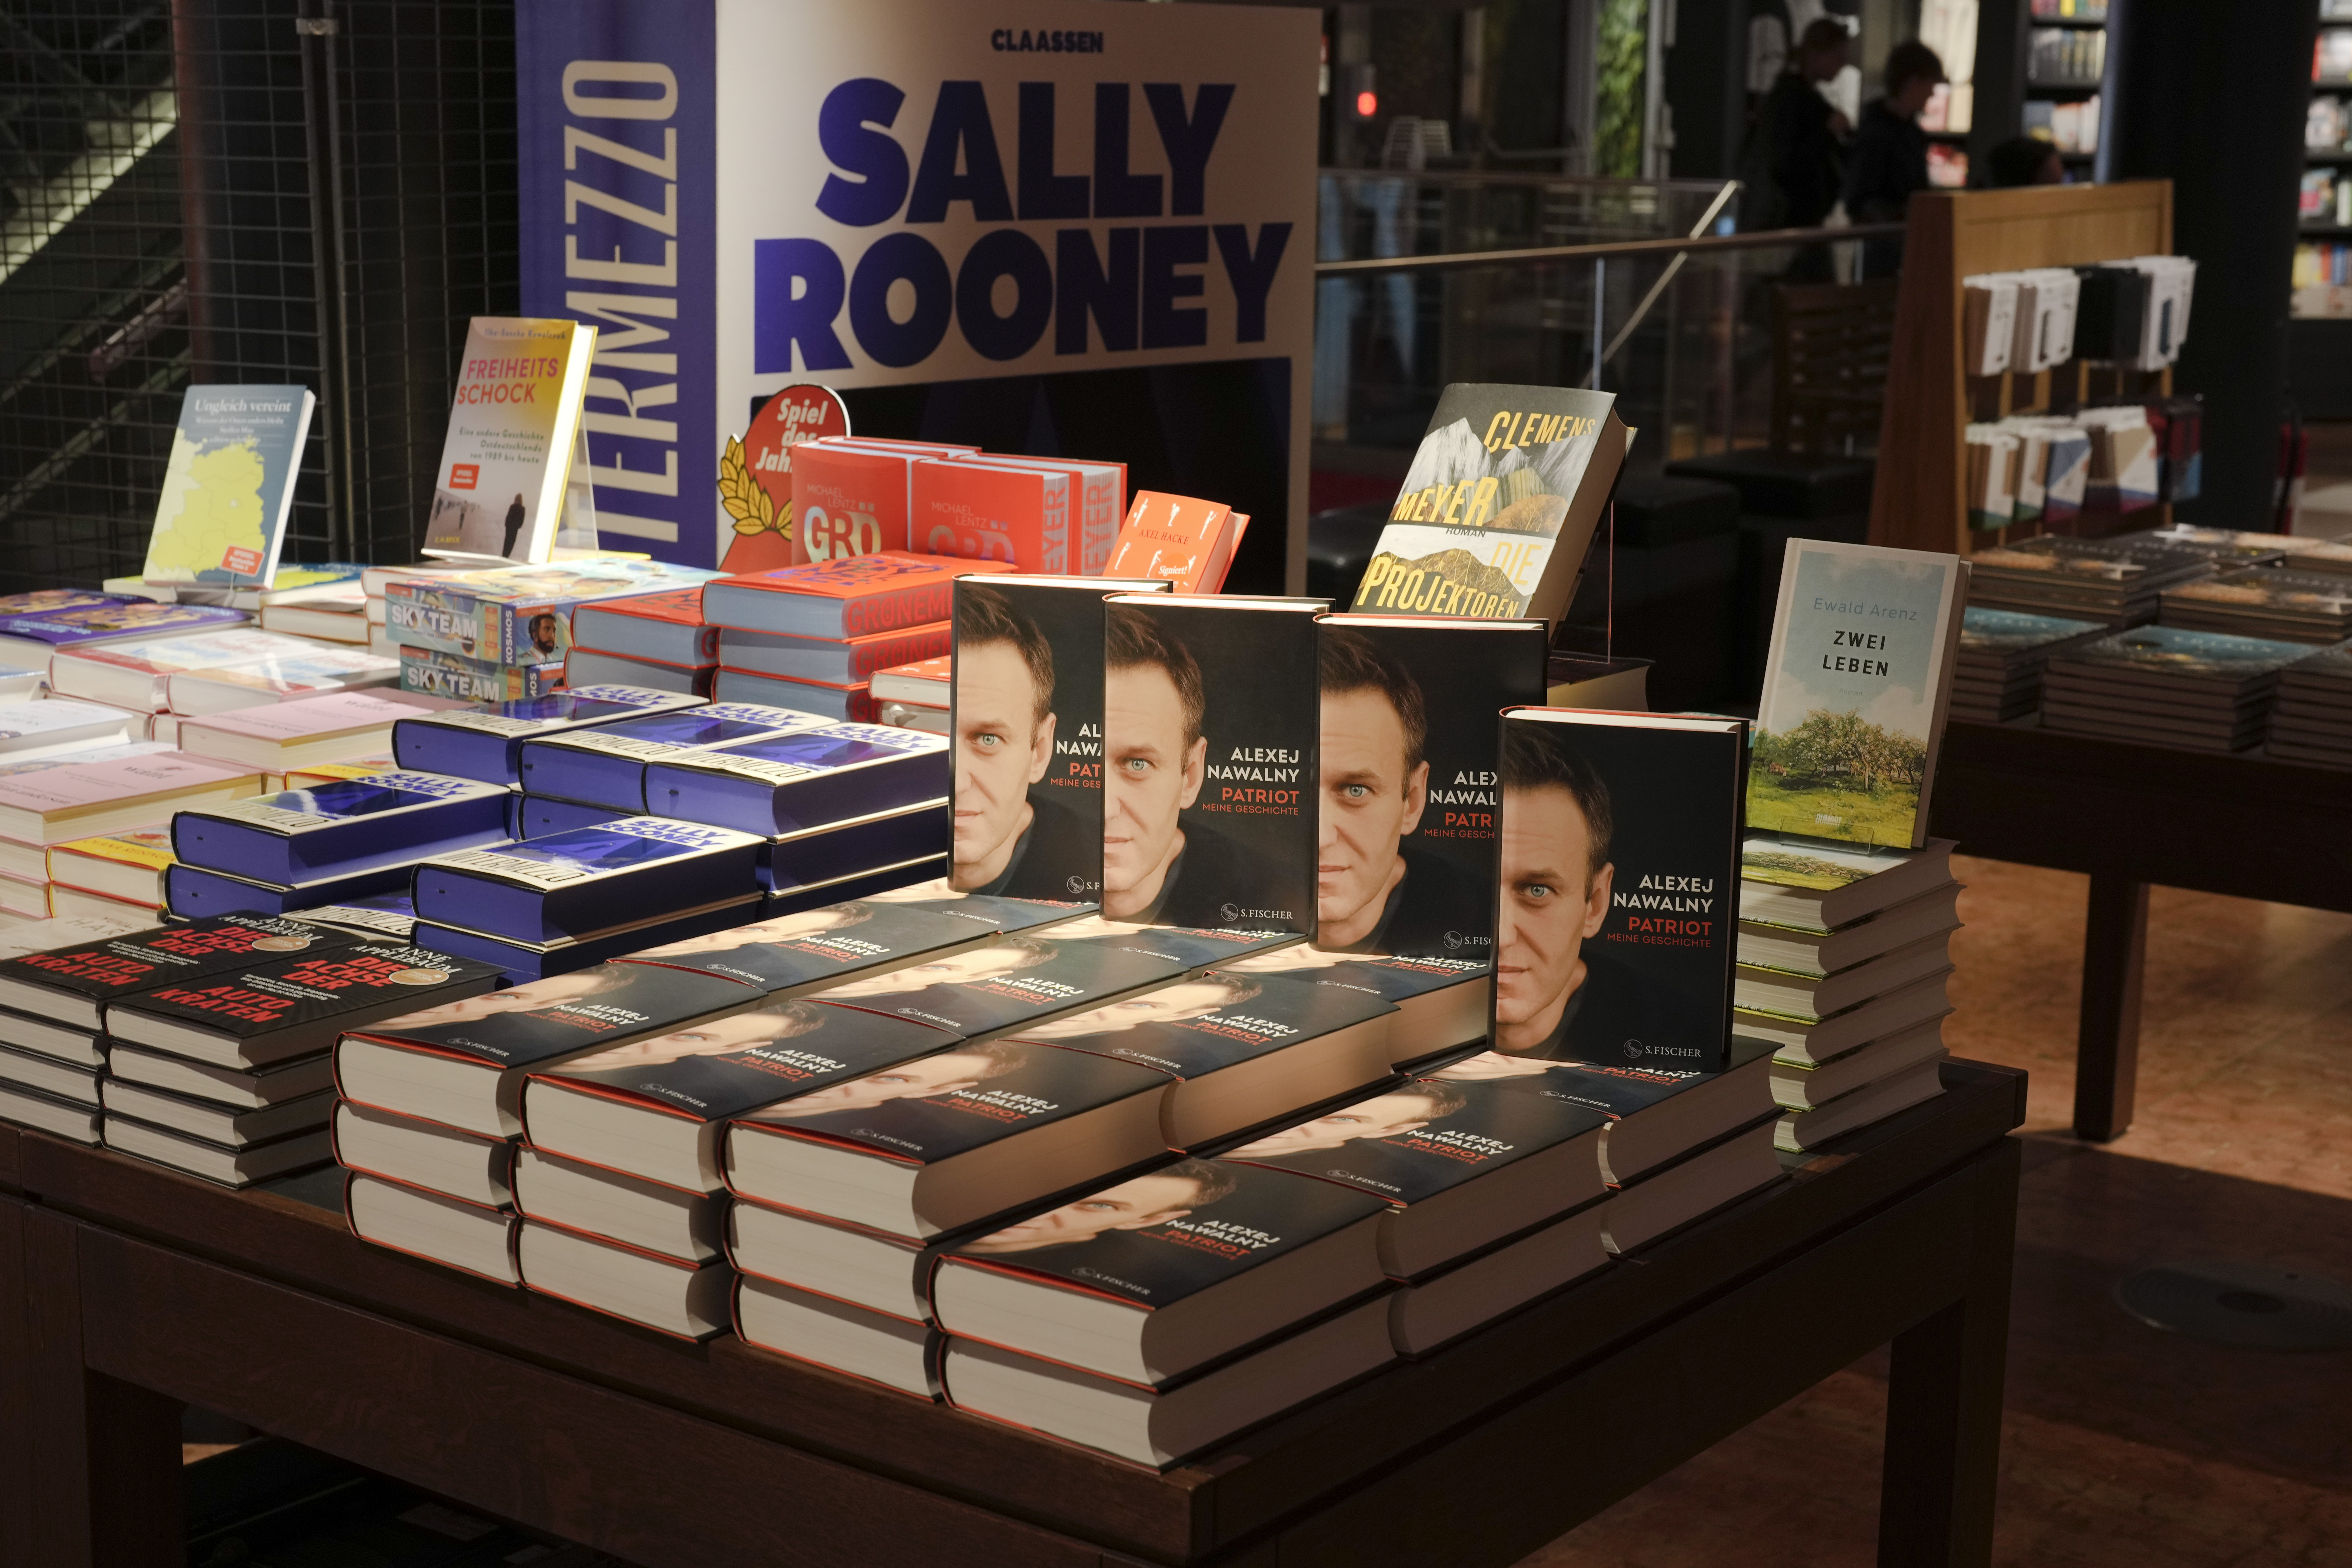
{"x":1944,"y":1401}
{"x":2106,"y":1058}
{"x":103,"y":1456}
{"x":16,"y":1440}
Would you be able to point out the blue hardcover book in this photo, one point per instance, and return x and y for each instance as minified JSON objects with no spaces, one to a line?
{"x":340,"y":827}
{"x":486,"y":744}
{"x":589,"y":880}
{"x":792,"y":861}
{"x":527,"y":961}
{"x":857,"y":885}
{"x":377,"y":916}
{"x":606,"y":766}
{"x":810,"y":778}
{"x":529,"y":816}
{"x":193,"y":893}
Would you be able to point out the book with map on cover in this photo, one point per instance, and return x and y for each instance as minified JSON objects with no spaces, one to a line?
{"x":1499,"y":506}
{"x":221,"y":519}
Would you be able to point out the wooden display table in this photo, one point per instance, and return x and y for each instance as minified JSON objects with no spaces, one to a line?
{"x":126,"y":1289}
{"x":2132,"y":815}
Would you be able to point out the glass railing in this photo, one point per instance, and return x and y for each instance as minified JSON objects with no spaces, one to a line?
{"x":1681,"y":328}
{"x":1368,"y":215}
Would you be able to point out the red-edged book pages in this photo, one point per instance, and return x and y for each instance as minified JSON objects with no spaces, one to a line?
{"x":855,"y":598}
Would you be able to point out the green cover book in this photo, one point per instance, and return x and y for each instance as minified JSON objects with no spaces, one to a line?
{"x":1499,"y":506}
{"x":1855,"y":689}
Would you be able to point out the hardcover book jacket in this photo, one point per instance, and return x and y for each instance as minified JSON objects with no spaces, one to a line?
{"x":1196,"y":1027}
{"x":565,"y":1012}
{"x":1013,"y":982}
{"x":813,"y":944}
{"x":767,"y":1053}
{"x":260,"y":1001}
{"x":118,"y":965}
{"x":1422,"y":1137}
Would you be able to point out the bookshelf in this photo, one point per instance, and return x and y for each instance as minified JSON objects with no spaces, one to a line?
{"x":2322,"y":261}
{"x":1919,"y":500}
{"x":2041,"y":69}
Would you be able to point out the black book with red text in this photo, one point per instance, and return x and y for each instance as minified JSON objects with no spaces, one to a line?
{"x":72,"y":984}
{"x":268,"y":1013}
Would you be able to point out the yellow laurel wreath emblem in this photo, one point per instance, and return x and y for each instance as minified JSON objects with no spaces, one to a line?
{"x":746,"y":499}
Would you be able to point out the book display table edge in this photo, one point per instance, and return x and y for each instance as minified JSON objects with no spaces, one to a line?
{"x":2131,"y":816}
{"x":126,"y":1291}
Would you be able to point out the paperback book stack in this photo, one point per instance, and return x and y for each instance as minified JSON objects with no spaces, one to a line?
{"x":285,"y":737}
{"x":2265,"y":602}
{"x":2166,"y":686}
{"x":327,"y":605}
{"x":508,"y":630}
{"x":1998,"y":676}
{"x":2313,"y":721}
{"x":2113,"y":581}
{"x":111,"y":875}
{"x":813,"y":637}
{"x":171,"y":678}
{"x":107,"y":803}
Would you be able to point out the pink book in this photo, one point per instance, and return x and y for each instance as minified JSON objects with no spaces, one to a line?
{"x":88,"y":799}
{"x":279,"y":730}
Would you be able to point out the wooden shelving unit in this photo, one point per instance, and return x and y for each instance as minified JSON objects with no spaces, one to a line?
{"x":1919,"y":502}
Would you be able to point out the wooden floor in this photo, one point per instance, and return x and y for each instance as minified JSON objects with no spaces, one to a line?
{"x":2124,"y":1446}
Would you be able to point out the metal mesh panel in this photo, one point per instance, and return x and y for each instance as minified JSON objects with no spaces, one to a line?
{"x":223,"y":190}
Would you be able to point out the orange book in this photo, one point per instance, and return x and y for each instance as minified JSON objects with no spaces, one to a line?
{"x":1189,"y":542}
{"x":985,"y":511}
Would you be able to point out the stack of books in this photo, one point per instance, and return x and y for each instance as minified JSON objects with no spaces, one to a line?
{"x":35,"y":626}
{"x":177,"y":677}
{"x":2313,"y":719}
{"x":858,"y":495}
{"x":2169,"y":687}
{"x":812,"y":637}
{"x":332,"y":608}
{"x":282,"y":737}
{"x":103,"y":793}
{"x":50,"y":1069}
{"x":915,"y":696}
{"x":502,"y":629}
{"x":1844,"y":960}
{"x":114,"y":875}
{"x":654,"y":640}
{"x":1998,"y":676}
{"x":326,"y":844}
{"x":2265,"y":602}
{"x":2113,"y":581}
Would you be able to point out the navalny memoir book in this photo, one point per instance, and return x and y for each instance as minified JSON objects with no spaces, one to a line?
{"x":789,"y":954}
{"x":1209,"y":744}
{"x":1499,"y":506}
{"x":1026,"y":721}
{"x":1407,"y":799}
{"x":1616,"y":925}
{"x":229,"y":485}
{"x":1857,"y":685}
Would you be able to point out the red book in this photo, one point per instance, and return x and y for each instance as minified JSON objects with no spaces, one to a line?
{"x":1189,"y":542}
{"x":833,"y":660}
{"x":986,"y":511}
{"x":1099,"y":497}
{"x":852,"y":597}
{"x":852,"y":496}
{"x":664,"y":627}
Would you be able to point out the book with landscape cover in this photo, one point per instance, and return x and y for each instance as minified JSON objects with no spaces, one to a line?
{"x":71,"y":982}
{"x":269,"y":1012}
{"x":220,"y":519}
{"x":1824,"y":887}
{"x":487,"y":743}
{"x":2160,"y":662}
{"x":807,"y":951}
{"x":1461,"y":1164}
{"x":1615,"y":934}
{"x":340,"y":827}
{"x":462,"y":1063}
{"x":587,"y":879}
{"x":1010,"y":984}
{"x":1210,"y":735}
{"x":1499,"y":506}
{"x":657,"y":1108}
{"x":1407,"y":796}
{"x":1858,"y":682}
{"x":1026,"y":723}
{"x":1242,"y":1049}
{"x":606,"y":765}
{"x":1211,"y":1256}
{"x":1018,"y":1121}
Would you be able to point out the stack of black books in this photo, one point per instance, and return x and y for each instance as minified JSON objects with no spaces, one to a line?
{"x":2169,"y":687}
{"x":1999,"y":674}
{"x":2265,"y":602}
{"x":2115,"y":581}
{"x":2313,"y":721}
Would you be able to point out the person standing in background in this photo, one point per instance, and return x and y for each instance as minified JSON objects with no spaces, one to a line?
{"x":2026,"y":161}
{"x":1889,"y":158}
{"x":1803,"y":136}
{"x":514,"y":526}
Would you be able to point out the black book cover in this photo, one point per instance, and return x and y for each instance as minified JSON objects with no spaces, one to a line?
{"x":1010,"y":916}
{"x":250,"y":1003}
{"x":1008,"y":983}
{"x":962,"y":1098}
{"x":1422,"y":1137}
{"x":1159,"y":1237}
{"x":565,"y":1013}
{"x":727,"y":1066}
{"x":1618,"y":876}
{"x":120,"y":965}
{"x":1394,"y":978}
{"x":1409,"y":761}
{"x":1196,"y":1027}
{"x":1209,"y":720}
{"x":1026,"y":721}
{"x":1191,"y":946}
{"x":1614,"y":1090}
{"x":835,"y":941}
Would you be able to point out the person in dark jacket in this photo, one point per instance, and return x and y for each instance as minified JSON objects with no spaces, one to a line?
{"x":2026,"y":161}
{"x":1889,"y":157}
{"x":1803,"y":133}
